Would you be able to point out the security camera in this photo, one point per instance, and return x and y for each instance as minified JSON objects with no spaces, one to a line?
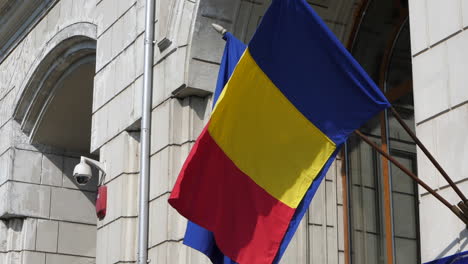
{"x":82,"y":172}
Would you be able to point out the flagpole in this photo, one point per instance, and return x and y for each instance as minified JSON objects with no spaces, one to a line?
{"x":453,"y":208}
{"x":145,"y":137}
{"x":428,"y":155}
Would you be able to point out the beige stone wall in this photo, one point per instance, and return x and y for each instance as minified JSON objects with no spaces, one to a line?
{"x":44,"y":216}
{"x":439,"y":40}
{"x":36,"y":183}
{"x":177,"y":122}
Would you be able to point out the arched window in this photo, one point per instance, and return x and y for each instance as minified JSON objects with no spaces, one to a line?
{"x":383,"y":208}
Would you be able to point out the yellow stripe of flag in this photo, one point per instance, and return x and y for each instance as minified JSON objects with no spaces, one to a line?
{"x":266,"y":137}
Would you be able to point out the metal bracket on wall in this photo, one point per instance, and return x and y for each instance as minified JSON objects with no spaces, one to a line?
{"x":462,"y":210}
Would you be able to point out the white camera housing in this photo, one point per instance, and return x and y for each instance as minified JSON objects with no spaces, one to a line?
{"x":83,"y":173}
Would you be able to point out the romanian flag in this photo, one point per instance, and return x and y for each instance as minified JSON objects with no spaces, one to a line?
{"x":293,"y":99}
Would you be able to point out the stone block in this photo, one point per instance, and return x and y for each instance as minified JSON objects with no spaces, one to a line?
{"x":5,"y":197}
{"x":297,"y":249}
{"x":418,"y":25}
{"x":183,"y":33}
{"x":332,"y":245}
{"x":208,"y":45}
{"x":440,"y":232}
{"x":84,"y":10}
{"x":106,"y":15}
{"x":52,"y":166}
{"x":452,"y":143}
{"x":160,"y":126}
{"x":170,"y":74}
{"x":5,"y":135}
{"x":23,"y":199}
{"x":457,"y":58}
{"x":120,"y":113}
{"x":158,"y":254}
{"x":40,"y":33}
{"x":165,"y":12}
{"x":341,"y":257}
{"x":61,"y":259}
{"x":430,"y":78}
{"x":4,"y":235}
{"x":124,"y":31}
{"x":317,"y":210}
{"x":176,"y":70}
{"x":202,"y":75}
{"x":14,"y":237}
{"x":339,"y":182}
{"x":330,"y":196}
{"x":195,"y":257}
{"x":129,"y":11}
{"x":176,"y":252}
{"x":165,"y":167}
{"x":102,"y":243}
{"x":160,"y":91}
{"x":47,"y":233}
{"x":6,"y":166}
{"x":77,"y":239}
{"x":443,"y":19}
{"x":99,"y":128}
{"x":73,"y":205}
{"x":13,"y":257}
{"x":123,"y":234}
{"x":255,"y":13}
{"x":29,"y":233}
{"x":53,"y":18}
{"x":426,"y":171}
{"x":178,"y":121}
{"x":121,"y":155}
{"x":125,"y":69}
{"x":139,"y":56}
{"x":241,"y":23}
{"x":27,"y":166}
{"x":197,"y":113}
{"x":159,"y":167}
{"x":140,"y":16}
{"x":340,"y":228}
{"x":222,"y":10}
{"x":176,"y":224}
{"x":104,"y":48}
{"x":66,"y":12}
{"x":104,"y":85}
{"x":317,"y":244}
{"x":464,"y":5}
{"x":332,"y":173}
{"x":34,"y":257}
{"x":116,"y":116}
{"x":122,"y":6}
{"x":158,"y":210}
{"x":137,"y":98}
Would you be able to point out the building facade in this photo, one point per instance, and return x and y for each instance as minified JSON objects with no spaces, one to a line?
{"x":71,"y":77}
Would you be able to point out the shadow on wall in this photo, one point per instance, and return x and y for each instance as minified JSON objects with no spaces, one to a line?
{"x":460,"y":243}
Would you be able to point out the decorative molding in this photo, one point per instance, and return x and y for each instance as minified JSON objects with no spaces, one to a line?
{"x":66,"y":48}
{"x":17,"y":18}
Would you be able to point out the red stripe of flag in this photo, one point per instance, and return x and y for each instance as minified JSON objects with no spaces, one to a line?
{"x":244,"y":226}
